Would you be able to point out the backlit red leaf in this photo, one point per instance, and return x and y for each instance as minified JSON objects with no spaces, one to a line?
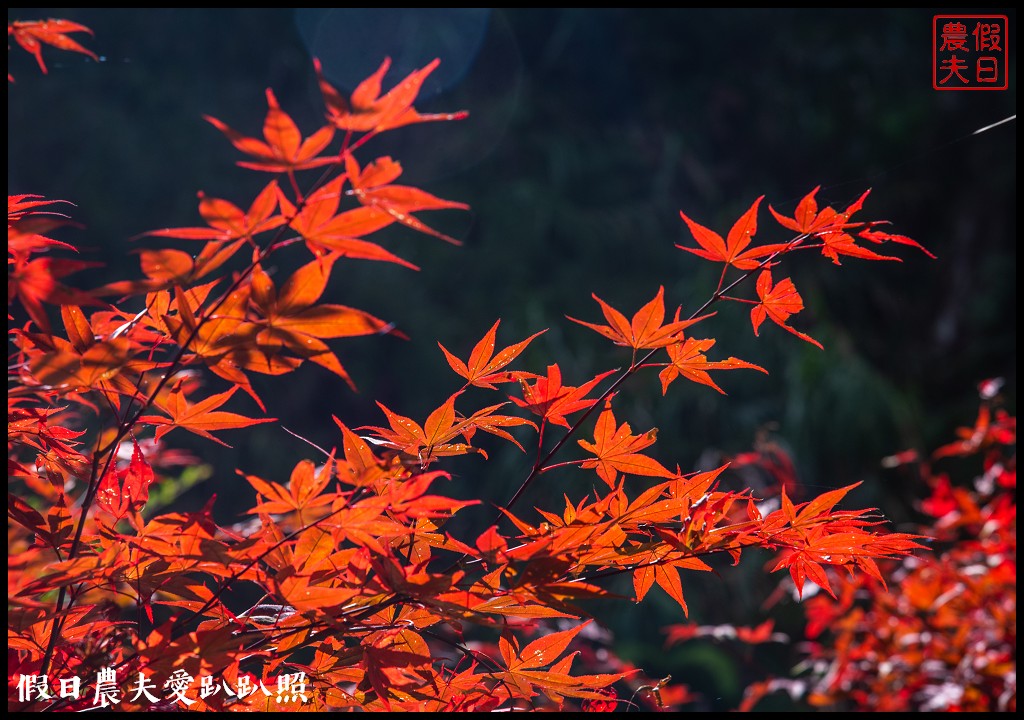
{"x":778,"y":303}
{"x":127,"y":490}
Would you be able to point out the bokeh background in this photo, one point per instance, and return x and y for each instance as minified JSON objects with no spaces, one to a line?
{"x":589,"y":130}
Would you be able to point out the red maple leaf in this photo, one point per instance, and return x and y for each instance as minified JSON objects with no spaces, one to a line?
{"x":830,"y":227}
{"x":229,"y":222}
{"x":127,"y":490}
{"x":367,"y":110}
{"x":34,"y":282}
{"x":778,"y":303}
{"x":732,"y":250}
{"x":551,"y":400}
{"x":284,"y":149}
{"x":25,"y":225}
{"x":31,"y":35}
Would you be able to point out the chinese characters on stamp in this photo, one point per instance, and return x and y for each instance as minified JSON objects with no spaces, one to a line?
{"x":969,"y":52}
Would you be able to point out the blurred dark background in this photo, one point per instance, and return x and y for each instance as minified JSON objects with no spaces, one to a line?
{"x":589,"y":131}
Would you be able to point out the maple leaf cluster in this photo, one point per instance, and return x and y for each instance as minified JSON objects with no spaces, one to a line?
{"x":361,"y":587}
{"x":940,"y":635}
{"x":946,"y":636}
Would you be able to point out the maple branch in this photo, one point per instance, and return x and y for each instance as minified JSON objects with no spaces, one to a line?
{"x":125,"y":427}
{"x":467,"y":652}
{"x":567,"y":463}
{"x":540,"y":439}
{"x":718,"y":295}
{"x":227,"y":583}
{"x":479,"y":655}
{"x":308,"y":442}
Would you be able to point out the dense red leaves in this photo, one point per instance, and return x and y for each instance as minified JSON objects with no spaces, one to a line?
{"x":762,"y":633}
{"x":942,"y":638}
{"x":987,"y":431}
{"x":31,"y":35}
{"x":360,"y":583}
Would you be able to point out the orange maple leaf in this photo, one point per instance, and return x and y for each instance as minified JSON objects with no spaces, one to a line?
{"x":303,"y":490}
{"x":165,"y":268}
{"x":618,"y":450}
{"x":428,"y":441}
{"x":525,"y":667}
{"x":83,"y":360}
{"x":482,"y":369}
{"x":290,"y":320}
{"x":323,"y":228}
{"x":433,"y":438}
{"x":687,"y":359}
{"x":645,"y":331}
{"x":372,"y":187}
{"x":201,"y":417}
